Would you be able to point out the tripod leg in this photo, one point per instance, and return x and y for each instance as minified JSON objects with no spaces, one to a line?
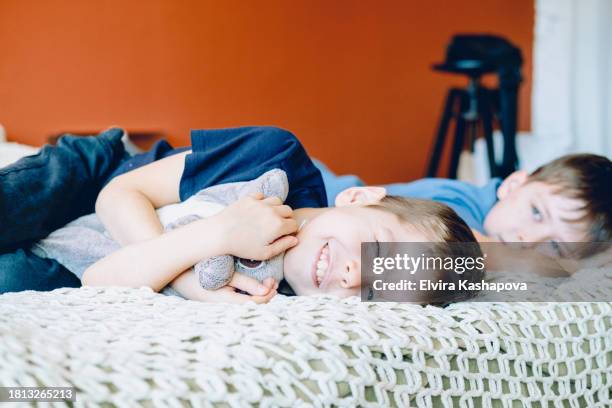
{"x":436,"y":153}
{"x":508,"y":119}
{"x":486,"y":113}
{"x":459,"y":141}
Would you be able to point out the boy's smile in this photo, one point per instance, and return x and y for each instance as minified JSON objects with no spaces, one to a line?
{"x":321,"y":265}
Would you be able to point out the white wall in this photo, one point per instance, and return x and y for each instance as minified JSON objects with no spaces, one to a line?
{"x":572,"y":85}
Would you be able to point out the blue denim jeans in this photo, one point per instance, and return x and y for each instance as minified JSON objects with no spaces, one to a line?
{"x":41,"y":193}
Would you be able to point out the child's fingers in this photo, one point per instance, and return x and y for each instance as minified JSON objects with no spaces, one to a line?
{"x":265,"y":298}
{"x":273,"y":200}
{"x":288,"y":226}
{"x":284,"y":211}
{"x":257,"y":195}
{"x":228,"y":295}
{"x":280,"y":245}
{"x":249,"y":285}
{"x":269,"y":282}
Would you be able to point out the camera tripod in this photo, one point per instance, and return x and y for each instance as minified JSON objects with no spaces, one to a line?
{"x":476,"y":107}
{"x":473,"y":109}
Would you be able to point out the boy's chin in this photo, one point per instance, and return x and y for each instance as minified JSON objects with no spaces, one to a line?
{"x":298,"y":277}
{"x":290,"y":271}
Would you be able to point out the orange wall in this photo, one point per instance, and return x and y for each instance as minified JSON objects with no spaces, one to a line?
{"x":351,"y":78}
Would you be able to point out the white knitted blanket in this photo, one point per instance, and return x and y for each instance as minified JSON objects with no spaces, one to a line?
{"x":128,"y":347}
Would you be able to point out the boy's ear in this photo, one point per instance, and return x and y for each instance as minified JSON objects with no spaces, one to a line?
{"x":360,"y":196}
{"x":512,"y":182}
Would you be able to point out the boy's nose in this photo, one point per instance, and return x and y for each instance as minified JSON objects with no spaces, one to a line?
{"x":350,"y":277}
{"x":525,"y":241}
{"x":531,"y":237}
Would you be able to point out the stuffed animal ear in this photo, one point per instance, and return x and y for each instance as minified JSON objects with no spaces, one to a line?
{"x":273,"y":183}
{"x":216,"y":272}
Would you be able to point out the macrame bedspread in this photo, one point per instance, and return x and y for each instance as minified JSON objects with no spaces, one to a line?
{"x":128,"y":347}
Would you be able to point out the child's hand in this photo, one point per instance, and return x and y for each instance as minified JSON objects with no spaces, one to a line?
{"x":258,"y":228}
{"x":253,"y":291}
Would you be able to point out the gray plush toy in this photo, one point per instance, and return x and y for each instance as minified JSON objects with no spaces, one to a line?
{"x":217,"y":272}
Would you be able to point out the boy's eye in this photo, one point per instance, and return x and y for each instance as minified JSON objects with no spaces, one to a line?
{"x":556,"y":248}
{"x":370,"y":294}
{"x":536,"y":214}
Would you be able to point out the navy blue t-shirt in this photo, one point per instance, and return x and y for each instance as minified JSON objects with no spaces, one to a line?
{"x":240,"y":154}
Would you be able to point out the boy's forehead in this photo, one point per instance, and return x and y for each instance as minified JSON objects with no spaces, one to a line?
{"x":560,"y":200}
{"x":565,"y":207}
{"x":568,"y":216}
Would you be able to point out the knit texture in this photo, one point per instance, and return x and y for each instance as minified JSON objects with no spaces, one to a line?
{"x":127,"y":347}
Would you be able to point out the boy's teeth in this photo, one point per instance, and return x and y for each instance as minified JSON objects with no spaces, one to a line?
{"x":322,"y":264}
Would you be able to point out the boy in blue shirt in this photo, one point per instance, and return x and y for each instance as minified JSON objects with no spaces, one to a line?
{"x":567,"y":200}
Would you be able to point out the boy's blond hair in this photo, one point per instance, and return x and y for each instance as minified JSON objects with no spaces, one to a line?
{"x":441,"y":225}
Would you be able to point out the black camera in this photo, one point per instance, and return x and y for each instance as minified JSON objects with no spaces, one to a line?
{"x":476,"y":107}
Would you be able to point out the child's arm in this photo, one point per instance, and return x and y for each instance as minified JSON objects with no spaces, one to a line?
{"x":252,"y":228}
{"x":126,"y":206}
{"x":157,"y":261}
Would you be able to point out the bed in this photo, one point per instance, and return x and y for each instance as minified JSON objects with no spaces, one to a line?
{"x":127,"y":347}
{"x":133,"y":347}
